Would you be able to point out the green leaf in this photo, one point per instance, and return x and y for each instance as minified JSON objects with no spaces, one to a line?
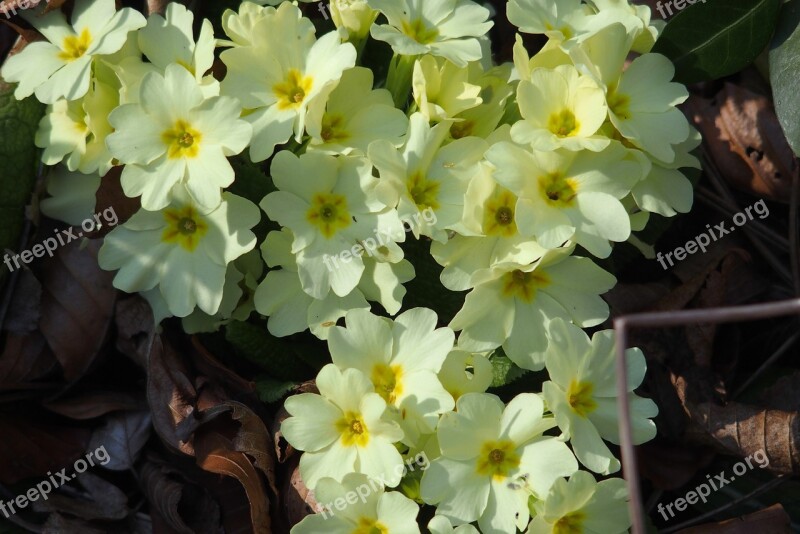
{"x":282,"y":359}
{"x":505,"y":371}
{"x":19,"y":156}
{"x":784,"y":64}
{"x":716,"y":38}
{"x":270,"y":390}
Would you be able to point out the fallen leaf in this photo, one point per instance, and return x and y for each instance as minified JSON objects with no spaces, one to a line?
{"x":25,"y":301}
{"x":94,"y":404}
{"x":123,"y":436}
{"x":77,"y":307}
{"x":99,"y":500}
{"x":33,"y":445}
{"x":184,"y":506}
{"x":745,"y":140}
{"x":772,"y":520}
{"x":216,"y":454}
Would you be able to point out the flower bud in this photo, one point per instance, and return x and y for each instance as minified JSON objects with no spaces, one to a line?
{"x":355,"y":16}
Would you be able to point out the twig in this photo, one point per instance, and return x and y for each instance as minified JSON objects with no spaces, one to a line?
{"x":667,"y":319}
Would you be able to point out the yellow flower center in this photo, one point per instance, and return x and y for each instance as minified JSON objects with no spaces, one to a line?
{"x":497,"y":459}
{"x":557,"y":190}
{"x":423,"y":192}
{"x":292,"y":92}
{"x":332,"y":130}
{"x":563,"y":123}
{"x":619,"y":104}
{"x":182,"y":140}
{"x":75,"y":46}
{"x":498,"y":218}
{"x":570,"y":524}
{"x":524,"y":285}
{"x":328,"y":212}
{"x":370,"y":526}
{"x":353,"y":430}
{"x":462,"y":129}
{"x":418,"y":31}
{"x":579,"y":397}
{"x":185,"y":227}
{"x":386,"y":380}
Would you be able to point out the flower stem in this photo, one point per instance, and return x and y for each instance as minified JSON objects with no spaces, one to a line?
{"x":401,"y":72}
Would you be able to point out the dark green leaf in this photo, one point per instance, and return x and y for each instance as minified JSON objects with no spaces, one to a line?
{"x":270,"y":390}
{"x":716,"y":38}
{"x":18,"y":123}
{"x":784,"y":66}
{"x":505,"y":371}
{"x":278,"y":357}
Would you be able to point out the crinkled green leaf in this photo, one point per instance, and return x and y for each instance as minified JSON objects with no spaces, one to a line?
{"x":784,"y":66}
{"x":18,"y":123}
{"x":271,"y":390}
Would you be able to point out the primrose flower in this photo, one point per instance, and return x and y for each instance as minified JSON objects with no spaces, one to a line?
{"x":279,"y":88}
{"x":73,"y":195}
{"x":512,"y":305}
{"x":441,"y":525}
{"x":402,"y":359}
{"x":355,"y":17}
{"x":181,"y":250}
{"x":560,"y":109}
{"x":355,"y":116}
{"x":558,"y":20}
{"x":240,"y":26}
{"x":583,"y":505}
{"x":465,"y":372}
{"x":442,"y":90}
{"x":495,"y":90}
{"x":170,"y":39}
{"x":175,"y":136}
{"x":331,"y":208}
{"x":374,"y":511}
{"x":494,"y":458}
{"x":425,"y":180}
{"x":61,"y":67}
{"x":490,"y":216}
{"x":342,"y":431}
{"x":665,"y":190}
{"x":447,"y":29}
{"x":291,"y":310}
{"x":569,"y":195}
{"x":75,"y":131}
{"x":582,"y":393}
{"x":642,"y":106}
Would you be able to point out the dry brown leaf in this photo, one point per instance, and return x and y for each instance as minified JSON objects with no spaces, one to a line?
{"x":170,"y":394}
{"x":24,"y":360}
{"x":186,"y":507}
{"x":670,"y":466}
{"x":136,"y":329}
{"x":37,"y":445}
{"x":99,"y":500}
{"x":772,"y":520}
{"x":216,"y":454}
{"x":123,"y":435}
{"x":297,"y":500}
{"x":745,"y":140}
{"x":77,"y":306}
{"x":94,"y":404}
{"x":110,"y":195}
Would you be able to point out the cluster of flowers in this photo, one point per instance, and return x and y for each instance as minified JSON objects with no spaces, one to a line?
{"x":520,"y":163}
